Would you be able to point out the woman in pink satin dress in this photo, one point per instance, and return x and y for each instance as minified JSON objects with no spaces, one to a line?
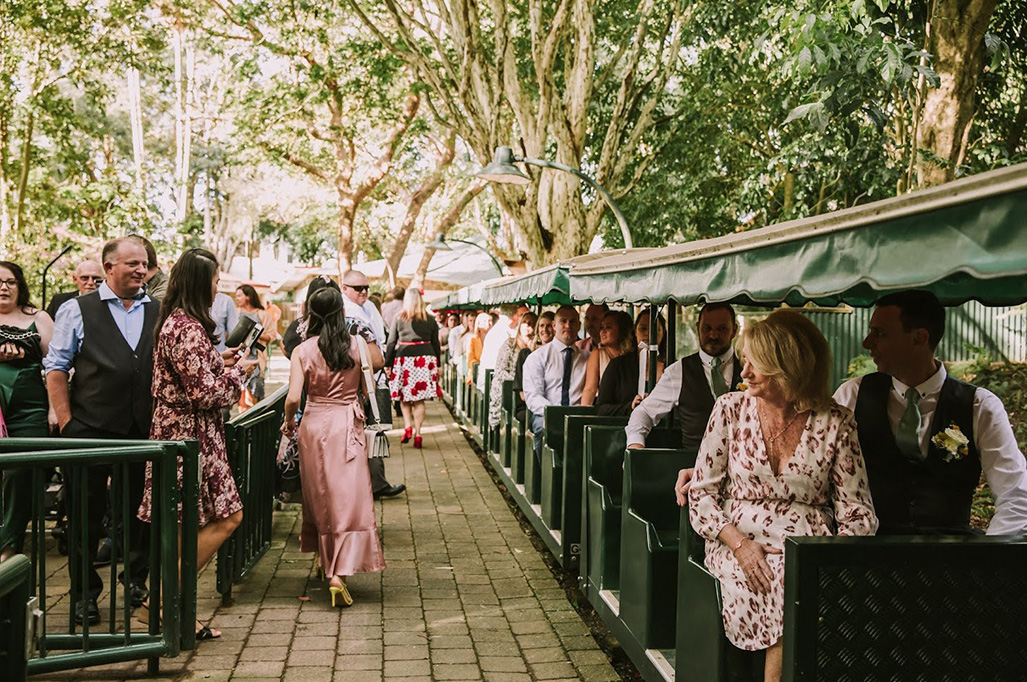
{"x":338,"y":507}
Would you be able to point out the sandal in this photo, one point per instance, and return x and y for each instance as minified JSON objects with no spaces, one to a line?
{"x":205,"y":633}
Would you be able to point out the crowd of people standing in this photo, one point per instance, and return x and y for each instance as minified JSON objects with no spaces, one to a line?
{"x":133,"y":353}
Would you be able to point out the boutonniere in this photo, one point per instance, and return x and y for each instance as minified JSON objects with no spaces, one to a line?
{"x":741,"y":386}
{"x":952,"y":443}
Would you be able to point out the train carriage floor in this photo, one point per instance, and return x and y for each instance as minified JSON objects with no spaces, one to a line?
{"x":466,"y":595}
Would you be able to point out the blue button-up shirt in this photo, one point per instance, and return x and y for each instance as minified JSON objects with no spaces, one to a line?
{"x":69,"y":331}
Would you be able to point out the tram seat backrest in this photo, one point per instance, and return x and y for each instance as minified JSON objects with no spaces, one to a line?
{"x":649,"y":544}
{"x":553,"y":419}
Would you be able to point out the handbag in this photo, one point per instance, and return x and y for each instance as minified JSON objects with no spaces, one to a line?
{"x":23,"y":339}
{"x":374,"y":432}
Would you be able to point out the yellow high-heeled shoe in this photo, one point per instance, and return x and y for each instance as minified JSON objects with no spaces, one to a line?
{"x":342,"y":592}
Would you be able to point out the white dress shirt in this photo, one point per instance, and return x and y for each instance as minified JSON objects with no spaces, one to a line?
{"x":455,"y":349}
{"x":369,"y":315}
{"x":543,"y":376}
{"x":499,"y":333}
{"x":664,"y":396}
{"x":1004,"y":466}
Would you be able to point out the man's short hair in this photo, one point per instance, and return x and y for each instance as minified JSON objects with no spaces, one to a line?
{"x":568,"y":308}
{"x":87,"y":261}
{"x":111,"y":247}
{"x":718,"y":306}
{"x":151,"y":253}
{"x":918,"y":309}
{"x":510,"y":309}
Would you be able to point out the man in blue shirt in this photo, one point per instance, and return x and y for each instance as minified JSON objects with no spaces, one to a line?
{"x":106,"y":339}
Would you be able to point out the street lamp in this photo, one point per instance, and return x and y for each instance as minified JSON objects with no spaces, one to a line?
{"x":440,"y":243}
{"x":503,"y":170}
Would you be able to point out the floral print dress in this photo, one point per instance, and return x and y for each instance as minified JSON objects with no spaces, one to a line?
{"x":190,"y":388}
{"x":821,"y":490}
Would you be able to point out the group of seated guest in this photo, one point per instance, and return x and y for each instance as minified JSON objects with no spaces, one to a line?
{"x":899,"y":451}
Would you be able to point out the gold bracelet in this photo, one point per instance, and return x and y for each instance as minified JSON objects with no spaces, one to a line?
{"x":735,"y":548}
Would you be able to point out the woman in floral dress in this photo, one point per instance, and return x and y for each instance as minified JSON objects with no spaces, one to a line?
{"x":506,"y":364}
{"x":781,"y":459}
{"x":191,"y":385}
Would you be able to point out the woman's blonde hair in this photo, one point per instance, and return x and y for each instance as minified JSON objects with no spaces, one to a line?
{"x":413,"y":306}
{"x":789,"y":348}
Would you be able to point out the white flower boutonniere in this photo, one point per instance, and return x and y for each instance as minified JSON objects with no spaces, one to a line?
{"x":952,"y":443}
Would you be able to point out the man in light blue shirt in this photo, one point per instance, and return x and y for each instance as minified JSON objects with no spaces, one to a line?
{"x":225,"y":318}
{"x":106,"y":337}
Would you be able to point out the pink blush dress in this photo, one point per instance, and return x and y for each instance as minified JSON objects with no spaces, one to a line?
{"x":821,"y":490}
{"x":338,"y":506}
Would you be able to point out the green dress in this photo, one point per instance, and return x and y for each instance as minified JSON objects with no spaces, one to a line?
{"x":24,"y":404}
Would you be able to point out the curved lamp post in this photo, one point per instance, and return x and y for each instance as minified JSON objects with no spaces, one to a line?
{"x":440,"y":243}
{"x":503,"y":170}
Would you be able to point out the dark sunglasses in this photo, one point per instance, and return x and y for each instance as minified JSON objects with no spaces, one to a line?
{"x":362,"y":287}
{"x":96,"y":280}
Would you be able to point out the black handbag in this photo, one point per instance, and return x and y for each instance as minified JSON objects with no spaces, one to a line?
{"x":23,"y":339}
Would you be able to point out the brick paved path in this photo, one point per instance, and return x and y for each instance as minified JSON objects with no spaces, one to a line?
{"x":465,"y":595}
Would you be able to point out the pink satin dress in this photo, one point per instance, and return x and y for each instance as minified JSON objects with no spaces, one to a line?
{"x":338,"y":506}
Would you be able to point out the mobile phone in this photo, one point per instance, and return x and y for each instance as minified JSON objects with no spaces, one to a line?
{"x":251,"y":342}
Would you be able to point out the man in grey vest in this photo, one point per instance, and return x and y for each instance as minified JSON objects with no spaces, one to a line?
{"x":106,"y":337}
{"x":925,"y":436}
{"x":689,"y":387}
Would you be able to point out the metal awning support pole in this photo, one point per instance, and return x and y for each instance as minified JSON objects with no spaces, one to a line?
{"x":47,"y":269}
{"x":654,"y":347}
{"x":672,"y":332}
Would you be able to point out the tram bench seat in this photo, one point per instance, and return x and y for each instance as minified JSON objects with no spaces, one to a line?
{"x":573,"y":480}
{"x":649,"y":544}
{"x":551,"y":488}
{"x":601,"y":517}
{"x":506,"y":417}
{"x":701,"y":643}
{"x":520,"y":427}
{"x":532,"y":468}
{"x":488,"y":442}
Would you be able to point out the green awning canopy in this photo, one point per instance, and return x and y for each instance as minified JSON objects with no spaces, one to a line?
{"x":546,"y":286}
{"x":963,"y":240}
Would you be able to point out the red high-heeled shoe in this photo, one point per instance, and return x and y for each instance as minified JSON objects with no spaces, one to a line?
{"x":417,"y":442}
{"x":406,"y":435}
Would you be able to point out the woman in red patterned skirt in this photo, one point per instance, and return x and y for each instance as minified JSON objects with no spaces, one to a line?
{"x":412,"y":362}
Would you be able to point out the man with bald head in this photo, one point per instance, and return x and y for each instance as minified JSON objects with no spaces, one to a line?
{"x":87,"y":277}
{"x":555,"y":373}
{"x":359,"y":310}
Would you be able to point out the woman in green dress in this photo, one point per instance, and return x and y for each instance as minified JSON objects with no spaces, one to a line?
{"x":25,"y":333}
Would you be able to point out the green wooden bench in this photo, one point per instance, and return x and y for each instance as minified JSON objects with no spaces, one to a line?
{"x":601,"y":516}
{"x":519,"y":430}
{"x":551,"y":487}
{"x":506,"y":419}
{"x":649,"y":544}
{"x":532,"y":468}
{"x":574,"y":480}
{"x":701,"y":643}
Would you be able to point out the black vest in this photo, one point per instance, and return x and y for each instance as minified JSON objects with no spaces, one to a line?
{"x":111,"y":388}
{"x":695,"y":402}
{"x":932,"y":496}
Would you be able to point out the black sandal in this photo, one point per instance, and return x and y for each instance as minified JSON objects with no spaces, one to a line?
{"x":205,"y":633}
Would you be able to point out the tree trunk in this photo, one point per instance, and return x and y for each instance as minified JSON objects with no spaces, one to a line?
{"x":1014,"y":137}
{"x":26,"y":163}
{"x":417,"y":200}
{"x":451,"y":218}
{"x":184,"y":69}
{"x":347,"y":218}
{"x":135,"y":110}
{"x":958,"y":28}
{"x":5,"y":207}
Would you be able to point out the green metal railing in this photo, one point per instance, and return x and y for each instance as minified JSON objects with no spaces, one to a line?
{"x":165,"y":634}
{"x":15,"y":589}
{"x":252,"y":441}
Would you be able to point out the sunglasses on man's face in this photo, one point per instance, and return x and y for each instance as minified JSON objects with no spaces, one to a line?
{"x":359,"y":288}
{"x":96,"y":280}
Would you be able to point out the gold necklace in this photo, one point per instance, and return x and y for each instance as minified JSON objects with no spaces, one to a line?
{"x":771,"y":440}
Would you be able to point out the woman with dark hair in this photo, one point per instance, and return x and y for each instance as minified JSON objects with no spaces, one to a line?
{"x":25,"y":335}
{"x":623,"y":385}
{"x":616,"y":338}
{"x":297,"y":331}
{"x":338,"y":507}
{"x":248,"y":302}
{"x":191,"y":385}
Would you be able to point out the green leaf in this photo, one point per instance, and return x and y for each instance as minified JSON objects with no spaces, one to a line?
{"x":858,"y":8}
{"x":798,"y":112}
{"x":805,"y":60}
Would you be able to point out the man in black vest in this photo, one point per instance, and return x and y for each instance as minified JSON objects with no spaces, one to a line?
{"x":926,"y":436}
{"x":107,"y":338}
{"x":690,"y":387}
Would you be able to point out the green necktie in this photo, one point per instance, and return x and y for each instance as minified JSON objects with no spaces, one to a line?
{"x":907,"y":436}
{"x":717,"y":378}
